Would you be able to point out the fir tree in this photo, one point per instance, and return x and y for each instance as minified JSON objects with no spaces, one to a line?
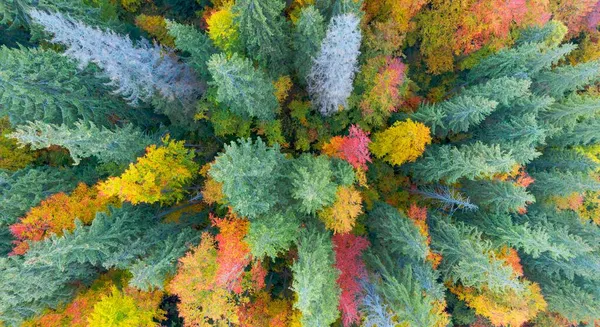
{"x":241,"y":88}
{"x":250,"y":172}
{"x":330,"y":78}
{"x":562,"y":183}
{"x":198,"y":45}
{"x":468,"y":258}
{"x":264,"y":33}
{"x":43,"y":85}
{"x":149,"y":71}
{"x":272,"y":234}
{"x":470,"y":161}
{"x":84,"y":140}
{"x":312,"y":182}
{"x":308,"y":34}
{"x":455,"y":115}
{"x":567,"y":78}
{"x":315,"y":279}
{"x":498,"y":196}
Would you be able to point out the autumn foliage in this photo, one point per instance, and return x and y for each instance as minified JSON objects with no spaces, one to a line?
{"x":57,"y":214}
{"x":403,"y":142}
{"x":159,"y":176}
{"x":353,"y":148}
{"x":348,"y":260}
{"x":341,"y":216}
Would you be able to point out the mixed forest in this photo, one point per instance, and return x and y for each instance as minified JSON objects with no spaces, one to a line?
{"x":299,"y":163}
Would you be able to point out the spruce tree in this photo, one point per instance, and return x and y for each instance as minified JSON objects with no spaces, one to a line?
{"x":264,"y":33}
{"x":38,"y":84}
{"x":308,"y":34}
{"x":242,"y":89}
{"x":84,"y":140}
{"x":332,"y":73}
{"x":315,"y":279}
{"x":137,"y":71}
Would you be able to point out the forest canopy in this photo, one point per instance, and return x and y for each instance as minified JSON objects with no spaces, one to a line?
{"x":299,"y":163}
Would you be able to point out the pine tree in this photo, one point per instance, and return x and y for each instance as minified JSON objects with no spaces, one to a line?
{"x":315,"y":279}
{"x":242,"y":89}
{"x":250,"y":172}
{"x":84,"y":140}
{"x":43,"y":85}
{"x":306,"y":42}
{"x":331,"y":75}
{"x":264,"y":33}
{"x":148,"y":70}
{"x":470,"y":161}
{"x":197,"y":44}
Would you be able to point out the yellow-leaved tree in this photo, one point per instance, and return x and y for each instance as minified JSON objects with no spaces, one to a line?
{"x":403,"y":142}
{"x":223,"y":31}
{"x":159,"y":176}
{"x":121,"y":310}
{"x":341,"y":216}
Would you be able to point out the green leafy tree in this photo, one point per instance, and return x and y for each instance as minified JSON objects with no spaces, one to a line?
{"x":264,"y":33}
{"x":241,"y":88}
{"x":315,"y":279}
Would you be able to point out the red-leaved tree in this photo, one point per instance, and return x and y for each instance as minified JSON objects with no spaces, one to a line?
{"x":348,"y":260}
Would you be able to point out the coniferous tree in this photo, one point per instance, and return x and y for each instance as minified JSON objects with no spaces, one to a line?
{"x":450,"y":163}
{"x":43,"y":85}
{"x":264,"y":33}
{"x":468,"y":258}
{"x":257,"y":171}
{"x":149,"y":70}
{"x":332,"y":73}
{"x":498,"y":196}
{"x":308,"y":34}
{"x":197,"y":44}
{"x":242,"y":89}
{"x":272,"y":234}
{"x":84,"y":140}
{"x":313,"y":185}
{"x":315,"y":279}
